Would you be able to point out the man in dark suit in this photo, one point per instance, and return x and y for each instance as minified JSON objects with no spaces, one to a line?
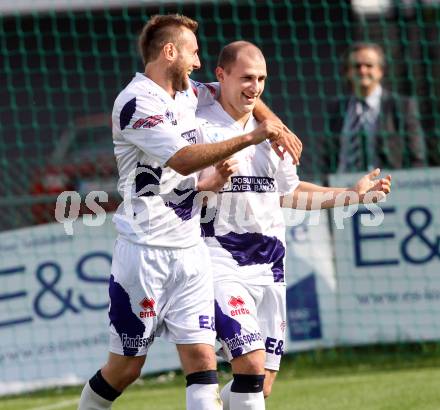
{"x":372,"y":127}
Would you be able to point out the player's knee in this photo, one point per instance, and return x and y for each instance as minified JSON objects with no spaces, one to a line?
{"x":207,"y":360}
{"x":249,"y":363}
{"x":247,"y":383}
{"x":122,"y":376}
{"x":131,"y":373}
{"x":198,"y":358}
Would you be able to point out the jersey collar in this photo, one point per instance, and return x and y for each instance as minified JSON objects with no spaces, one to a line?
{"x":151,"y":84}
{"x":230,"y":121}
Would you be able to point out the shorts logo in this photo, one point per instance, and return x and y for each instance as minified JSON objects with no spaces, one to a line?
{"x":240,"y":340}
{"x":148,"y":122}
{"x":136,"y":342}
{"x":207,"y":322}
{"x":148,"y":306}
{"x":238,"y":303}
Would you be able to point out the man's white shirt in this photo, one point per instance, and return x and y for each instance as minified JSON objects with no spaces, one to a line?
{"x":247,"y":235}
{"x":149,"y":127}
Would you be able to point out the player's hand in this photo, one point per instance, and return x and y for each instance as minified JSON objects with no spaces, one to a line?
{"x":288,"y":142}
{"x":226,"y":168}
{"x":269,"y":129}
{"x":222,"y":172}
{"x":378,"y":188}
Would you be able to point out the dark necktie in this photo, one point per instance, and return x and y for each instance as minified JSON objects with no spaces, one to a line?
{"x":357,"y":154}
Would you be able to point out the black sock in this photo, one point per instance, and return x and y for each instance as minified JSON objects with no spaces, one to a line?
{"x":102,"y":388}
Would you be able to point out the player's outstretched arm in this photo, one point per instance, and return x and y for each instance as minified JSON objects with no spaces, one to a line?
{"x":195,"y":157}
{"x":310,"y":196}
{"x":287,"y":141}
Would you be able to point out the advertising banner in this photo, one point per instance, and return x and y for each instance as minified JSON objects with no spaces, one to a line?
{"x":386,"y":286}
{"x":53,"y":306}
{"x":388,"y":263}
{"x":311,"y":302}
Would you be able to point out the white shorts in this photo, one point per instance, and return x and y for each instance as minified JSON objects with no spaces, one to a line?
{"x":251,"y":317}
{"x":159,"y":292}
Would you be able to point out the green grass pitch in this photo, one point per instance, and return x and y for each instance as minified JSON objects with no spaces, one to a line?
{"x":408,"y":386}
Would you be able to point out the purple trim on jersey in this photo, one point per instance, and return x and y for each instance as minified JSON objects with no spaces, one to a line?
{"x":227,"y":329}
{"x":255,"y":248}
{"x":181,"y":201}
{"x":127,"y":113}
{"x":147,"y":180}
{"x":207,"y":228}
{"x":184,"y":207}
{"x":122,"y":317}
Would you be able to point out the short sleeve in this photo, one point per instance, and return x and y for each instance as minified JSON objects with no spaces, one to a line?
{"x":203,"y":139}
{"x":201,"y":134}
{"x":206,"y":93}
{"x":286,"y":176}
{"x":144,"y":123}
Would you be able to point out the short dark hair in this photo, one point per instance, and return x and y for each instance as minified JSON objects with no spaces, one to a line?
{"x":229,"y":53}
{"x":360,"y":45}
{"x":160,"y":30}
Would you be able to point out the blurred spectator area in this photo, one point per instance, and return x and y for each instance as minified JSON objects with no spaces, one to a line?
{"x":60,"y":66}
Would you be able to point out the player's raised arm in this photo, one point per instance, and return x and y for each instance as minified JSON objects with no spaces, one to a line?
{"x":310,"y":196}
{"x":195,"y":157}
{"x":287,"y":140}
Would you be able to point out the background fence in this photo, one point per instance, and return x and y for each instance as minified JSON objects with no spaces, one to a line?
{"x":62,"y":67}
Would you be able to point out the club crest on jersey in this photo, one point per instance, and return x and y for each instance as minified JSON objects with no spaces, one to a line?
{"x":170,"y":117}
{"x":148,"y":122}
{"x":148,"y":306}
{"x":238,"y":305}
{"x":214,"y":136}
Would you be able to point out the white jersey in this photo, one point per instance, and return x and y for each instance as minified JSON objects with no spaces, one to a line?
{"x":247,"y":236}
{"x":149,"y":127}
